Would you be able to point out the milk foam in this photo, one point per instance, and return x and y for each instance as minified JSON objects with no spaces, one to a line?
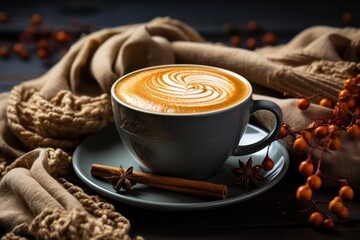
{"x":181,"y":89}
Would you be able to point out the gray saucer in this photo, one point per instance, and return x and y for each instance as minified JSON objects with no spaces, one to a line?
{"x":105,"y":147}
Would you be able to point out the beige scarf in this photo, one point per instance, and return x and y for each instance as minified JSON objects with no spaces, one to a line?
{"x":44,"y":119}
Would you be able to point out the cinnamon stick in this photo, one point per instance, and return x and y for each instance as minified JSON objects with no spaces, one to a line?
{"x":193,"y":187}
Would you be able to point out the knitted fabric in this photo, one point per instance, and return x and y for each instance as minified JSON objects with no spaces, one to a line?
{"x":97,"y":220}
{"x":60,"y":123}
{"x":57,"y":123}
{"x":103,"y":222}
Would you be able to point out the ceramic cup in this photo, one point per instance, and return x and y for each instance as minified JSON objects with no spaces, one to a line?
{"x":186,"y":120}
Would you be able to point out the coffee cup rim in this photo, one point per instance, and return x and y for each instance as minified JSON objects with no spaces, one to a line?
{"x":238,"y":76}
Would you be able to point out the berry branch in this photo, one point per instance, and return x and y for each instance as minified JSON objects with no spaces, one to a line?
{"x":324,"y":135}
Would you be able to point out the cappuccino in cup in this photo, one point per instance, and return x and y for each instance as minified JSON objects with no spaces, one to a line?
{"x":186,"y":120}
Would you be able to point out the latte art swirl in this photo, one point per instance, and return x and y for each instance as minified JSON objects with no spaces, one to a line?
{"x":189,"y":89}
{"x":181,"y":89}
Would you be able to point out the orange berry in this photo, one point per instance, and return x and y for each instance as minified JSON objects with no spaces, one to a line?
{"x":357,"y":122}
{"x":269,"y":38}
{"x":252,"y":26}
{"x":43,"y":43}
{"x":4,"y":17}
{"x":18,"y":47}
{"x":334,"y":129}
{"x":314,"y":182}
{"x":36,"y":19}
{"x":307,"y":135}
{"x":24,"y":54}
{"x":357,"y":78}
{"x":306,"y":168}
{"x":4,"y":52}
{"x":357,"y":113}
{"x":251,"y":43}
{"x":336,"y":206}
{"x":340,"y":109}
{"x":283,"y":132}
{"x":337,"y":198}
{"x":353,"y":131}
{"x":346,"y":193}
{"x":235,"y":40}
{"x":300,"y":144}
{"x":304,"y":193}
{"x":344,"y":107}
{"x":350,"y":84}
{"x":344,"y":214}
{"x":321,"y":131}
{"x":334,"y":143}
{"x":344,"y":95}
{"x":29,"y":33}
{"x":347,"y":17}
{"x":316,"y":219}
{"x":42,"y":53}
{"x":351,"y":103}
{"x":62,"y":37}
{"x":329,"y":224}
{"x":303,"y":103}
{"x":326,"y":102}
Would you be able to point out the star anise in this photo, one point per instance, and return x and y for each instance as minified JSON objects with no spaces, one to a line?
{"x":248,"y":175}
{"x":122,"y":179}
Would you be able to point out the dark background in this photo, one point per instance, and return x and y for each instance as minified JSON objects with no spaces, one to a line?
{"x":216,"y":21}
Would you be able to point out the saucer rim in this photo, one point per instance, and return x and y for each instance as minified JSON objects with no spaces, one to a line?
{"x":131,"y":200}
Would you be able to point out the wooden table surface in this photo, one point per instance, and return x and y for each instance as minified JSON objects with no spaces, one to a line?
{"x":259,"y":218}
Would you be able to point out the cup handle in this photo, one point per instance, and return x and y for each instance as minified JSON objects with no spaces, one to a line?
{"x":254,"y":147}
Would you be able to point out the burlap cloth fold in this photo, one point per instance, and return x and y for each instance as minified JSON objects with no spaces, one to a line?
{"x":42,"y":120}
